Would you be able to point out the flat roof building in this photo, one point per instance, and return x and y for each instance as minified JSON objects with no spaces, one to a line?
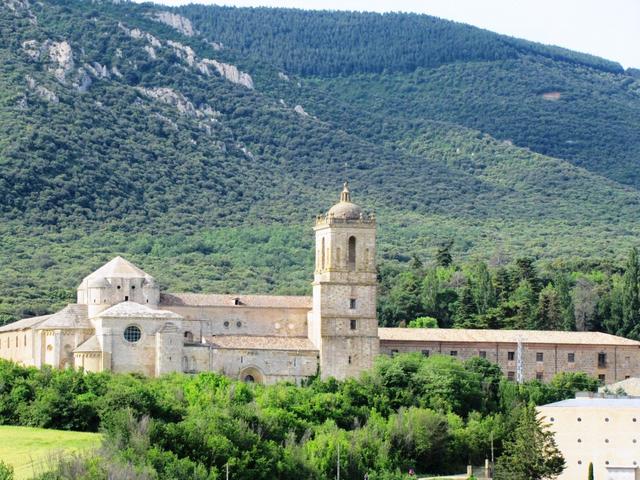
{"x":599,"y":429}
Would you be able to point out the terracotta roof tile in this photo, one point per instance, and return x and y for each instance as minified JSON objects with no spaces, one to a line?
{"x":71,"y":316}
{"x":501,"y":336}
{"x":24,"y":323}
{"x":217,"y":300}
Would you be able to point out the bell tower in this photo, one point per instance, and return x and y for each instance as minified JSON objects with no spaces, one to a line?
{"x":343,"y":324}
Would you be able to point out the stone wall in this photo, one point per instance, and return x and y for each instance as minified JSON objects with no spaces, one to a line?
{"x":124,"y":356}
{"x":268,"y":366}
{"x":621,"y":362}
{"x":241,"y":320}
{"x":18,"y":346}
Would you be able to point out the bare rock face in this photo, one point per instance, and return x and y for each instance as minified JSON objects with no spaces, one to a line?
{"x":184,"y":52}
{"x":32,"y":48}
{"x":60,"y":53}
{"x":141,"y":35}
{"x":42,"y":92}
{"x":230,"y":72}
{"x":177,"y":22}
{"x":300,"y":111}
{"x":171,"y":97}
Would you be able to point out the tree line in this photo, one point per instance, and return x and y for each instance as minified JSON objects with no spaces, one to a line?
{"x":433,"y":415}
{"x":517,"y":295}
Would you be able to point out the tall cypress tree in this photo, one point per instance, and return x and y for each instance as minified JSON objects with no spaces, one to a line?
{"x":631,"y":297}
{"x":483,"y":291}
{"x":532,"y":453}
{"x":563,"y":287}
{"x":549,"y":309}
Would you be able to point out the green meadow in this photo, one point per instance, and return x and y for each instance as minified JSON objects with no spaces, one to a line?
{"x":28,"y":449}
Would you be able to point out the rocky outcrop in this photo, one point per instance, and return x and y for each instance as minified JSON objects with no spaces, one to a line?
{"x":177,"y":22}
{"x":151,"y":51}
{"x":300,"y":111}
{"x":171,"y":97}
{"x":183,"y":52}
{"x":97,"y":70}
{"x":230,"y":72}
{"x":141,"y":35}
{"x":41,"y":91}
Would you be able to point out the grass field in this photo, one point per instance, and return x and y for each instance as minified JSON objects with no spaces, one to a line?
{"x":27,"y":449}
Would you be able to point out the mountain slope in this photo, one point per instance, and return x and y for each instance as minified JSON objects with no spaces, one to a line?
{"x":406,"y":67}
{"x":126,"y":129}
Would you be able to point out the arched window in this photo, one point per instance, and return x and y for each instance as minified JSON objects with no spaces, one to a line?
{"x":352,"y":253}
{"x":322,"y":262}
{"x":188,"y":336}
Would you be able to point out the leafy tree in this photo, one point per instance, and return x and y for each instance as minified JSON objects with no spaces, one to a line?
{"x":418,"y":439}
{"x":423,"y":322}
{"x":531,"y":454}
{"x":631,"y":296}
{"x":585,"y":301}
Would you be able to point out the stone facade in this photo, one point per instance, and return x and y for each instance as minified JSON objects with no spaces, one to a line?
{"x":343,"y":324}
{"x":122,"y":322}
{"x":543,"y":354}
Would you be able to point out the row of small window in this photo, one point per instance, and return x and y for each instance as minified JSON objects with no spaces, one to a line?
{"x":511,"y":356}
{"x":17,"y":341}
{"x":606,"y":419}
{"x":606,"y":462}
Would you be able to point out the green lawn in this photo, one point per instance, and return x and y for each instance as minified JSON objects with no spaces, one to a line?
{"x":27,"y":449}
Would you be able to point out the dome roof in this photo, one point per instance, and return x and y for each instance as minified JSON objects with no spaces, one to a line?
{"x":345,"y":209}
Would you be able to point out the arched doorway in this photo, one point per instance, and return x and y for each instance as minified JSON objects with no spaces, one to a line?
{"x":251,"y":375}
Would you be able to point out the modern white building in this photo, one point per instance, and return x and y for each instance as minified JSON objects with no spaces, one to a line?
{"x":599,"y":429}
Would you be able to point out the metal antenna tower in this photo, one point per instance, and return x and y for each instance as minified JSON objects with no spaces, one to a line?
{"x":519,"y":362}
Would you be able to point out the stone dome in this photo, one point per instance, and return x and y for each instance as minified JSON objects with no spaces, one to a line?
{"x":345,"y":209}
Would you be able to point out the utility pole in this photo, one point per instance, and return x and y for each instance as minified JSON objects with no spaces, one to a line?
{"x":492,"y":454}
{"x":227,"y":470}
{"x":338,"y":460}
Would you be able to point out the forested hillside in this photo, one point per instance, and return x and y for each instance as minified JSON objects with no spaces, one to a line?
{"x":404,"y":68}
{"x":201,"y":145}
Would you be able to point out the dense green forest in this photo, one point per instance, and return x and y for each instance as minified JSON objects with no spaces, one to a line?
{"x":383,"y":75}
{"x":434,"y":415}
{"x":513,"y":295}
{"x":117,"y":137}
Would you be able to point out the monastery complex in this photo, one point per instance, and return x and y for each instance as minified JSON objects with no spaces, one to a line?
{"x":123,"y":322}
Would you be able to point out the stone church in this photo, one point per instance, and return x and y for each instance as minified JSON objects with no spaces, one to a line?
{"x":122,"y":322}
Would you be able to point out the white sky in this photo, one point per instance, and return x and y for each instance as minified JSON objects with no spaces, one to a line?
{"x":606,"y":28}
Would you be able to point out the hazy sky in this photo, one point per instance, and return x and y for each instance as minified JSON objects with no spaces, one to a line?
{"x":607,"y":28}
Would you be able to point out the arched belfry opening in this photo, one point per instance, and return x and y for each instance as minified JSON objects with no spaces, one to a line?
{"x":322,"y":254}
{"x":351,"y":260}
